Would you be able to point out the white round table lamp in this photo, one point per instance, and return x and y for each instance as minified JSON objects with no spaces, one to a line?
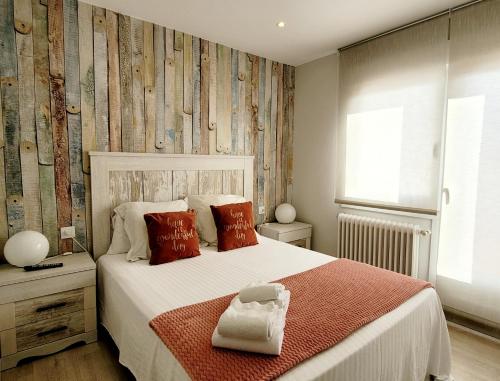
{"x":26,"y":248}
{"x":285,"y":213}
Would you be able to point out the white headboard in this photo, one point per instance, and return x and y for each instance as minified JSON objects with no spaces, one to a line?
{"x":118,"y":177}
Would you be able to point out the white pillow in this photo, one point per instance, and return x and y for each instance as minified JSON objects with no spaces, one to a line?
{"x":135,"y":226}
{"x":120,"y":243}
{"x":204,"y":220}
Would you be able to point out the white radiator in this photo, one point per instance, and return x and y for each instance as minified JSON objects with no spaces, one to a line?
{"x":387,"y":244}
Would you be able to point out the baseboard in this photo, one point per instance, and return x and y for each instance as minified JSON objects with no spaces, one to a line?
{"x":472,"y":324}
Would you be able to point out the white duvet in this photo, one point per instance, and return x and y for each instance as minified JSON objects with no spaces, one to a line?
{"x":406,"y":344}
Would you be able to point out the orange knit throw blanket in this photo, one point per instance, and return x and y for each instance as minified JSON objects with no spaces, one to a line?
{"x":327,"y":304}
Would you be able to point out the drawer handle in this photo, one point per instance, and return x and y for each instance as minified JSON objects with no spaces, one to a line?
{"x":53,"y":330}
{"x":50,"y":307}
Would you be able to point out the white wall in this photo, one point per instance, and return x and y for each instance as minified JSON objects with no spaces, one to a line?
{"x":314,"y":150}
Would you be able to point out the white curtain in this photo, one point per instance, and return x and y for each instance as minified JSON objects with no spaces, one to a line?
{"x":469,"y":245}
{"x":391,"y":101}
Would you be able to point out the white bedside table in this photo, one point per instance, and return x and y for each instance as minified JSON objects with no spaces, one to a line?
{"x":45,"y":311}
{"x":296,"y":233}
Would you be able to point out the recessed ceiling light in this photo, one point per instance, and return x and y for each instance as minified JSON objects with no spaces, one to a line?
{"x":280,"y":24}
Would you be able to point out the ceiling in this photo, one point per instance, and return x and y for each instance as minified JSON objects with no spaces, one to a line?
{"x":314,"y":28}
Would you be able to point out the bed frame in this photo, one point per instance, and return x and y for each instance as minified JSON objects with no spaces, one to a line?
{"x":118,"y":177}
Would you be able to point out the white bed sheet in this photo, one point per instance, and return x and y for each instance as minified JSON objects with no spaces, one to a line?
{"x":406,"y":344}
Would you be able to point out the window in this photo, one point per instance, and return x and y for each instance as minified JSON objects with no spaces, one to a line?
{"x":391,"y":102}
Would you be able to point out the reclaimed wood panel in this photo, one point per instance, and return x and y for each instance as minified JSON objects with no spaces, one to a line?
{"x":125,"y":186}
{"x":235,"y":94}
{"x":61,"y":158}
{"x":115,"y":118}
{"x":255,"y":126}
{"x":58,"y":118}
{"x":139,"y":131}
{"x":87,"y":105}
{"x":49,"y":207}
{"x":212,"y":99}
{"x":169,"y":92}
{"x":232,"y":182}
{"x":188,"y":74}
{"x":56,"y":38}
{"x":223,"y":99}
{"x":72,"y":70}
{"x":279,"y":134}
{"x":204,"y":93}
{"x":23,"y":16}
{"x":101,"y":80}
{"x":242,"y":79}
{"x":13,"y":177}
{"x":272,"y":159}
{"x":71,"y":56}
{"x":210,"y":182}
{"x":178,"y":101}
{"x":196,"y":119}
{"x":31,"y":186}
{"x":159,"y":69}
{"x":187,"y":116}
{"x":284,"y":145}
{"x":149,"y":88}
{"x":248,"y":106}
{"x":260,"y":140}
{"x":8,"y":63}
{"x":10,"y":119}
{"x":157,"y":186}
{"x":178,"y":40}
{"x":125,"y":58}
{"x":44,"y":126}
{"x":28,"y":147}
{"x":184,"y":183}
{"x":267,"y":137}
{"x":4,"y":228}
{"x":291,"y":100}
{"x":41,"y":80}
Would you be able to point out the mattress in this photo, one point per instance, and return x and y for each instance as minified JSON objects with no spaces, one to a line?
{"x":406,"y":344}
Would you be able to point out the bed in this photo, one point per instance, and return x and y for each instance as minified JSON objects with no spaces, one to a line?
{"x":409,"y":343}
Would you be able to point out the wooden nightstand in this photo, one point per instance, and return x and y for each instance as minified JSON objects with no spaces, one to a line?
{"x":296,"y":233}
{"x":42,"y":312}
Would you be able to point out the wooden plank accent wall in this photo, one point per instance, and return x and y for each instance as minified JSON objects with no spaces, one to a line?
{"x":76,"y":78}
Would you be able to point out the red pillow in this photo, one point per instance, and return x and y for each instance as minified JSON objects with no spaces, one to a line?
{"x":234,"y":225}
{"x":172,"y":236}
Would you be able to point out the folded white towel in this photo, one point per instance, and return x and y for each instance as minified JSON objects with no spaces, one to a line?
{"x":260,"y":291}
{"x":270,"y":347}
{"x":253,"y":321}
{"x":282,"y":302}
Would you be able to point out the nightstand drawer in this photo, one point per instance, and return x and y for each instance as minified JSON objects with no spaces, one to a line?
{"x":46,"y":331}
{"x":48,"y":307}
{"x":295,"y":235}
{"x":300,"y":243}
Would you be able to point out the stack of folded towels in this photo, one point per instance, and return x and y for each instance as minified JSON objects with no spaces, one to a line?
{"x":254,"y":320}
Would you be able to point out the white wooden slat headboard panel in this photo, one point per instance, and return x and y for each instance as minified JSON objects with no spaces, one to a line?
{"x":213,"y":173}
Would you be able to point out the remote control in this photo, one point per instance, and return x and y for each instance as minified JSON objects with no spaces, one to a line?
{"x":42,"y":266}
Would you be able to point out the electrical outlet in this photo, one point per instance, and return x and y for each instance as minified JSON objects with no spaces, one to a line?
{"x":68,"y":232}
{"x":262,"y":210}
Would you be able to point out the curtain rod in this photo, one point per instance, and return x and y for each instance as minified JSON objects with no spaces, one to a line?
{"x":409,"y":25}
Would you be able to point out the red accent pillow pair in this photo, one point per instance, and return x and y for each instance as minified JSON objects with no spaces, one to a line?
{"x":172,"y":235}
